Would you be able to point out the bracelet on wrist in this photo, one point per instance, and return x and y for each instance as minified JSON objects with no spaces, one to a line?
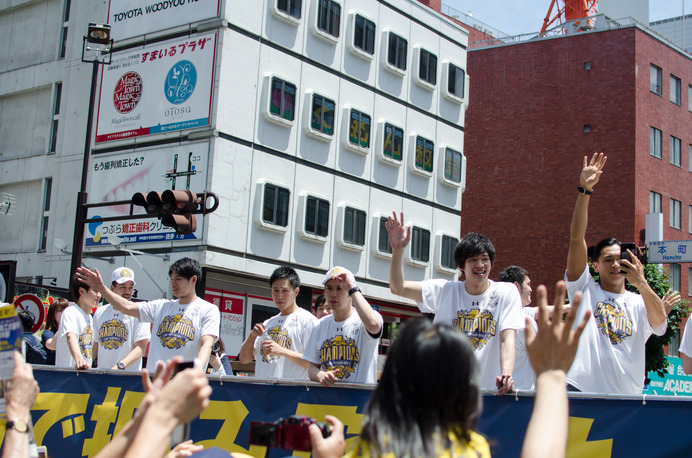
{"x":585,"y":191}
{"x":353,"y":290}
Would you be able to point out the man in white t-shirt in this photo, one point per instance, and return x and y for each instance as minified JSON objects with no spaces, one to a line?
{"x":489,"y":313}
{"x":523,"y":375}
{"x":121,"y":340}
{"x":686,"y":348}
{"x":611,"y":354}
{"x":343,"y":346}
{"x":187,"y":326}
{"x":289,"y":332}
{"x":75,"y":336}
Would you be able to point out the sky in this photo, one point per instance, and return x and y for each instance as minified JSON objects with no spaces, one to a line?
{"x":515,"y":17}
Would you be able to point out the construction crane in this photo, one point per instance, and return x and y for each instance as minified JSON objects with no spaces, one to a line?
{"x":580,"y":11}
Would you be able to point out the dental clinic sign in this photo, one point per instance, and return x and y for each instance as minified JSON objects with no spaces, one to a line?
{"x":676,"y":251}
{"x":157,"y":88}
{"x":131,"y":18}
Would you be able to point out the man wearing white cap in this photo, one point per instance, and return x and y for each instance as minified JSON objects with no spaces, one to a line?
{"x":343,"y":346}
{"x":120,"y":339}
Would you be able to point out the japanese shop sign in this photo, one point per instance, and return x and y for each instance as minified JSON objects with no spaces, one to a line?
{"x":117,"y":176}
{"x":158,"y":88}
{"x":130,"y":18}
{"x":231,"y":306}
{"x":676,"y":251}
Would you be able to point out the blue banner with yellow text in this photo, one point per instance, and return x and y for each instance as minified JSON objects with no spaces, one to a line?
{"x":76,"y":414}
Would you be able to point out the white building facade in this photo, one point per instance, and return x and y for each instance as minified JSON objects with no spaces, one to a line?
{"x":311,"y":120}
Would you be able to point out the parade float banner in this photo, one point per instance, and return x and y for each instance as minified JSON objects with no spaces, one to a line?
{"x":157,"y":88}
{"x":131,"y":18}
{"x":117,"y":176}
{"x":674,"y":383}
{"x":77,"y":413}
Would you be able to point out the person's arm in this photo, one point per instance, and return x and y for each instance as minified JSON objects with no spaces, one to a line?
{"x":73,"y":346}
{"x":94,"y":280}
{"x":205,"y":349}
{"x":399,"y":238}
{"x":271,"y":347}
{"x":135,"y":354}
{"x":634,"y":273}
{"x":551,"y":353}
{"x":504,"y":381}
{"x":333,"y":446}
{"x":577,"y":256}
{"x":370,"y":318}
{"x":19,"y":398}
{"x":326,"y":378}
{"x":670,"y":300}
{"x":184,"y":449}
{"x":686,"y":364}
{"x":51,"y":343}
{"x":247,"y":354}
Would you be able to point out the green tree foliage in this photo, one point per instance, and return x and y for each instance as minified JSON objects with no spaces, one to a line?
{"x":659,"y":280}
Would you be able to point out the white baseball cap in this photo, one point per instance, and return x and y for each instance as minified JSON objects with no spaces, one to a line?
{"x":122,"y":275}
{"x":333,"y":272}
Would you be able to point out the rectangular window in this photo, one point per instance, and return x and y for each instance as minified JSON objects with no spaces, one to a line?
{"x":275,"y":210}
{"x":654,"y":202}
{"x":420,"y":244}
{"x":449,"y":244}
{"x":354,"y":226}
{"x":364,"y":35}
{"x":675,"y":213}
{"x":397,"y":51}
{"x":656,"y":78}
{"x":359,"y":132}
{"x":316,"y":216}
{"x":47,"y":191}
{"x":283,"y":99}
{"x":675,"y":147}
{"x":452,"y":165}
{"x":674,"y":344}
{"x":56,"y":118}
{"x":290,"y":7}
{"x":675,"y":89}
{"x":427,"y":67}
{"x":322,"y":119}
{"x":383,"y":245}
{"x":675,"y":277}
{"x":655,"y":142}
{"x":455,"y":83}
{"x":424,"y":154}
{"x":329,"y":17}
{"x":393,"y":142}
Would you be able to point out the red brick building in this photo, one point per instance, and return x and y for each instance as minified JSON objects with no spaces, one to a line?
{"x":537,"y":107}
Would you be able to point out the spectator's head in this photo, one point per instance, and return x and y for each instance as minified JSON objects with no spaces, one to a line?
{"x":123,"y":282}
{"x":184,"y":274}
{"x":475,"y":256}
{"x":520,"y":277}
{"x":55,"y":313}
{"x":285,"y":285}
{"x":27,"y":320}
{"x":322,"y":309}
{"x":84,"y":296}
{"x":406,"y":414}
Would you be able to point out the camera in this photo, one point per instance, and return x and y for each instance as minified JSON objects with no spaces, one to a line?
{"x":216,"y":347}
{"x":287,"y":433}
{"x":625,"y":255}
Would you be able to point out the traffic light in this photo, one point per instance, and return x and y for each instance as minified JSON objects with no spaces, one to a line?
{"x":173,"y":207}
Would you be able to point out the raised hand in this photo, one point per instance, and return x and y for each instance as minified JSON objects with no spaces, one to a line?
{"x":592,"y":170}
{"x":670,"y":299}
{"x":399,"y":235}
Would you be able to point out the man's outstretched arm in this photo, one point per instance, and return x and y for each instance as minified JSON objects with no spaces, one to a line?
{"x":399,"y":238}
{"x":577,"y":257}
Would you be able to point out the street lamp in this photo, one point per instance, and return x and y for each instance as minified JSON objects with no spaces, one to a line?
{"x":96,"y":44}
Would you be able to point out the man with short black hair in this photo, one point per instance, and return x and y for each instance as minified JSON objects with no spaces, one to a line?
{"x":75,"y":336}
{"x":489,"y":313}
{"x":35,"y":354}
{"x":121,"y":340}
{"x":289,"y":331}
{"x":611,"y":354}
{"x":187,"y":326}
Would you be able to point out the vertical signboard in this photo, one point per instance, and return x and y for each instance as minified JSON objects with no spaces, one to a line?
{"x":231,"y":306}
{"x":157,"y":88}
{"x":117,"y":176}
{"x":131,"y":18}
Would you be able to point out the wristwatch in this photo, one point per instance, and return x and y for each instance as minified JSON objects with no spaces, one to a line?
{"x":18,"y":425}
{"x":353,"y":290}
{"x":121,"y":365}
